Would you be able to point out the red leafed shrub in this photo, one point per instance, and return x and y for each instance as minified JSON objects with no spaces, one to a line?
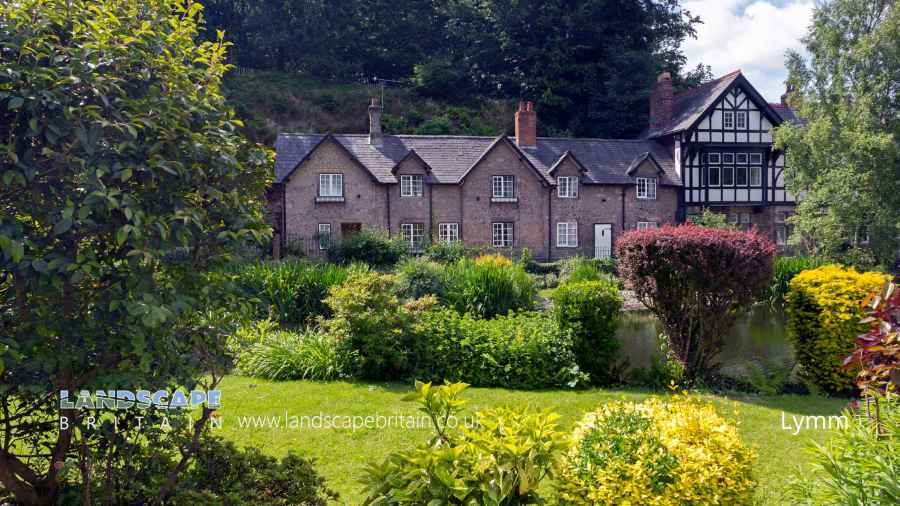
{"x":697,"y":281}
{"x":877,"y":352}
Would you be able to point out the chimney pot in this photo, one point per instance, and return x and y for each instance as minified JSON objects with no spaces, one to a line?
{"x":526,"y":125}
{"x":376,"y":138}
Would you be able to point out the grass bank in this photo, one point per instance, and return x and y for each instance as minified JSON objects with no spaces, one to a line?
{"x":343,"y":453}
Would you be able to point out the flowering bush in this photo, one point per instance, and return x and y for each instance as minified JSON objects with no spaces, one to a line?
{"x":660,"y":452}
{"x":824,"y":308}
{"x":697,"y":281}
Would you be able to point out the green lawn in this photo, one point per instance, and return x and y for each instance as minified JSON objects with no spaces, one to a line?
{"x":343,"y":453}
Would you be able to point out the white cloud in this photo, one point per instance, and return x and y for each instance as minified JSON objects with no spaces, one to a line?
{"x":751,"y":36}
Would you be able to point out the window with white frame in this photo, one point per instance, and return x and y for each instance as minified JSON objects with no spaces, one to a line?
{"x":567,"y":187}
{"x":728,"y":176}
{"x":755,"y":176}
{"x":567,"y":234}
{"x":411,"y":185}
{"x":448,"y":232}
{"x":331,"y":185}
{"x":646,"y":188}
{"x":740,"y":176}
{"x":783,"y":229}
{"x":740,"y":119}
{"x":324,"y":235}
{"x":756,"y":158}
{"x":502,"y":234}
{"x":503,"y":187}
{"x":644,"y":225}
{"x":728,"y":119}
{"x":413,"y":235}
{"x":715,"y":175}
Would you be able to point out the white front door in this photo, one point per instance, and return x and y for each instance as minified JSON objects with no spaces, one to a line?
{"x":602,"y":240}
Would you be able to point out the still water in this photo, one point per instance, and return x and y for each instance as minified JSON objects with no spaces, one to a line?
{"x":762,"y":333}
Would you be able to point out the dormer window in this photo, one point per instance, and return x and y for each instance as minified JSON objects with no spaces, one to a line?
{"x":567,"y":187}
{"x":411,"y":186}
{"x":503,"y":188}
{"x":728,"y":119}
{"x":646,"y":188}
{"x":331,"y":188}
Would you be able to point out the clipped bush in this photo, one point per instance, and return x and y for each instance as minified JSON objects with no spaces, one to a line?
{"x":310,"y":354}
{"x":372,"y":247}
{"x":824,"y":308}
{"x":521,"y":350}
{"x":369,"y":317}
{"x":663,"y":452}
{"x":418,"y":277}
{"x":501,"y":460}
{"x":697,"y":281}
{"x":590,"y":311}
{"x":488,"y":286}
{"x":291,"y":291}
{"x":858,"y":467}
{"x":786,"y":267}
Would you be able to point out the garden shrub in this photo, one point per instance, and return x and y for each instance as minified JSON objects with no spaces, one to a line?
{"x":291,"y":291}
{"x":590,"y":311}
{"x":448,"y":252}
{"x":310,"y":354}
{"x":697,"y":281}
{"x":369,"y":316}
{"x":520,"y":350}
{"x":489,"y":285}
{"x":417,"y":277}
{"x":373,"y":247}
{"x":824,"y":308}
{"x":877,"y":352}
{"x":786,"y":267}
{"x":672,"y":451}
{"x":859,"y":466}
{"x":501,"y":460}
{"x":579,"y":268}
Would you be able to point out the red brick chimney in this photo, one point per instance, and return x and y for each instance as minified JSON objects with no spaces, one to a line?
{"x":526,"y":125}
{"x":661,"y":96}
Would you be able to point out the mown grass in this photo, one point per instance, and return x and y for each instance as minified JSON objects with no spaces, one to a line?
{"x":342,"y":454}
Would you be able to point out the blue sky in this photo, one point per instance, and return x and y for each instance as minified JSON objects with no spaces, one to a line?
{"x":751,"y":35}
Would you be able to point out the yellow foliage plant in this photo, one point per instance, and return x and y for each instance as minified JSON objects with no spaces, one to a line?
{"x":824,"y":307}
{"x":494,"y":260}
{"x":661,"y":452}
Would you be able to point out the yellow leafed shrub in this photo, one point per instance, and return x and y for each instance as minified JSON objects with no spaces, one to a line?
{"x":660,"y":452}
{"x":824,"y":307}
{"x":495,"y":260}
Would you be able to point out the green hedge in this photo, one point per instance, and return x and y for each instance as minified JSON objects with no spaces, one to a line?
{"x":590,"y":311}
{"x":824,"y":307}
{"x":522,"y":350}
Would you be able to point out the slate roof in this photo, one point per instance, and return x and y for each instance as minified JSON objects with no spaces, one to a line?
{"x":451,"y":157}
{"x":786,"y":113}
{"x":690,"y":104}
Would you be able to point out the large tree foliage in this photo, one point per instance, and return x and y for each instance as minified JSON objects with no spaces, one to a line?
{"x":845,"y":154}
{"x":121,"y":177}
{"x":589,"y":64}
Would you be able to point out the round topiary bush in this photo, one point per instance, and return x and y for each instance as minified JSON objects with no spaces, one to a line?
{"x":824,"y":308}
{"x":661,"y":452}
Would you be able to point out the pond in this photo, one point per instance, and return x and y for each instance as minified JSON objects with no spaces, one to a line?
{"x":762,"y":334}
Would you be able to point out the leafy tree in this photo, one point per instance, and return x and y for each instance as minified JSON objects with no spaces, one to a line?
{"x":845,"y":153}
{"x":121,"y":179}
{"x":697,"y":281}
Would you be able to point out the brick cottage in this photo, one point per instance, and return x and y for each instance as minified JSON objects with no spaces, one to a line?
{"x":710,"y":146}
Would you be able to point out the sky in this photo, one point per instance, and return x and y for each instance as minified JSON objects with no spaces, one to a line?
{"x":751,"y":35}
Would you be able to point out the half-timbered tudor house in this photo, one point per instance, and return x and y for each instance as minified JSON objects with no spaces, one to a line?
{"x":710,"y":146}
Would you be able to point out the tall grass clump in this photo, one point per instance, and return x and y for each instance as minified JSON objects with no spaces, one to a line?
{"x":786,"y":267}
{"x":489,"y":286}
{"x":310,"y":354}
{"x":577,"y":269}
{"x":292,"y":291}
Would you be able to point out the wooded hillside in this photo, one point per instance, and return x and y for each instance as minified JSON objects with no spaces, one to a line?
{"x":588,"y":65}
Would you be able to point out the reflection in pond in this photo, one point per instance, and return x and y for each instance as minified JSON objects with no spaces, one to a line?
{"x":762,"y":333}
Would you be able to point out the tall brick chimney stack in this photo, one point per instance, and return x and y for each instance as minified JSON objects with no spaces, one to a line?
{"x":375,"y":136}
{"x":526,"y":125}
{"x":661,"y":97}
